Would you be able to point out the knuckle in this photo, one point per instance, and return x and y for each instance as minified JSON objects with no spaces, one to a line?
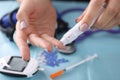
{"x":97,"y":2}
{"x":117,"y":17}
{"x":99,"y":24}
{"x":18,"y":15}
{"x":112,"y":10}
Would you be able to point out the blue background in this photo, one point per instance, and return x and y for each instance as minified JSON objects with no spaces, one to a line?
{"x":106,"y":45}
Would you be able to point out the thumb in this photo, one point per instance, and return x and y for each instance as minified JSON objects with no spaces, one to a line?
{"x":94,"y":10}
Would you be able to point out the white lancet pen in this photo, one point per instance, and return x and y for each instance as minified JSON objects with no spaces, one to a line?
{"x":74,"y":32}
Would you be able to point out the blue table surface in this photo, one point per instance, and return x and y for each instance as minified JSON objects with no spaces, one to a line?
{"x":106,"y":45}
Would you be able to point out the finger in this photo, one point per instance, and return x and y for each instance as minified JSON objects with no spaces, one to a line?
{"x":118,"y":19}
{"x":23,"y":14}
{"x":54,"y":41}
{"x":92,"y":11}
{"x":40,"y":42}
{"x":80,"y":17}
{"x":21,"y":41}
{"x":108,"y":15}
{"x":111,"y":24}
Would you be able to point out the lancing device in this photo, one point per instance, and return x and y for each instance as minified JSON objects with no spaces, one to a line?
{"x":60,"y":72}
{"x":74,"y":32}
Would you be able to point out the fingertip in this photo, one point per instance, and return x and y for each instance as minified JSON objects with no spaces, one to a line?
{"x":84,"y":27}
{"x":48,"y":50}
{"x":48,"y":47}
{"x":81,"y":16}
{"x":23,"y":46}
{"x":25,"y":58}
{"x":52,"y":41}
{"x":76,"y":20}
{"x":25,"y":53}
{"x":60,"y":45}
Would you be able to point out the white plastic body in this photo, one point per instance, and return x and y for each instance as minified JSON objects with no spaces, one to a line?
{"x":3,"y":62}
{"x":30,"y":69}
{"x":72,"y":34}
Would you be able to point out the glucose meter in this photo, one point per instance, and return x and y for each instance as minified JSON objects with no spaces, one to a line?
{"x":18,"y":67}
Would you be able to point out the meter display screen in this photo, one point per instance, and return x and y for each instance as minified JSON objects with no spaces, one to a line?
{"x":16,"y":64}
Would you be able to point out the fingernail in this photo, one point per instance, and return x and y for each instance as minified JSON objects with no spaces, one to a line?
{"x":25,"y":59}
{"x":84,"y":27}
{"x":76,"y":20}
{"x":22,"y":25}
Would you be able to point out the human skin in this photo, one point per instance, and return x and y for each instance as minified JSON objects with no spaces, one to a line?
{"x":107,"y":20}
{"x":39,"y":17}
{"x":40,"y":20}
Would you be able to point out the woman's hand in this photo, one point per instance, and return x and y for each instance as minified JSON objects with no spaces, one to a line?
{"x":107,"y":20}
{"x":36,"y":23}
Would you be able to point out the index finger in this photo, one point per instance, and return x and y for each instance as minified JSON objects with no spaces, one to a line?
{"x":92,"y":12}
{"x":21,"y":41}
